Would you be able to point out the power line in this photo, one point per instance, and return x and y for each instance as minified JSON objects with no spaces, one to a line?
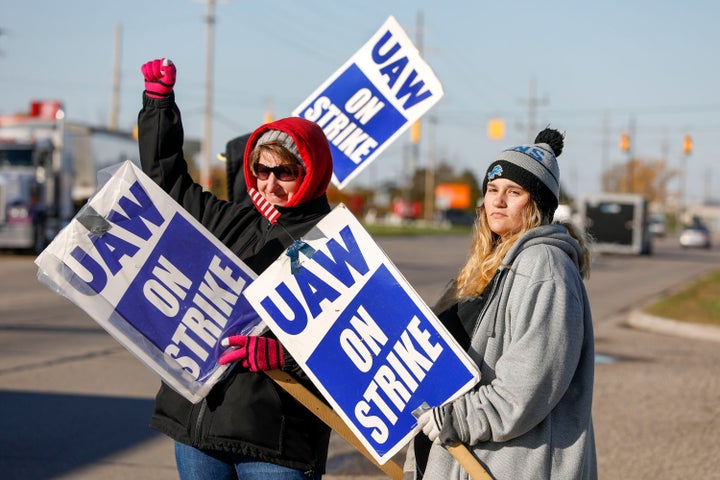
{"x":597,"y":111}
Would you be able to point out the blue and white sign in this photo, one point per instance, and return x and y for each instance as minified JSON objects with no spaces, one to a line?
{"x":154,"y":278}
{"x":361,"y":333}
{"x":371,"y":100}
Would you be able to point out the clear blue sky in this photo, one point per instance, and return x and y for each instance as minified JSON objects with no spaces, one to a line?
{"x":596,"y":66}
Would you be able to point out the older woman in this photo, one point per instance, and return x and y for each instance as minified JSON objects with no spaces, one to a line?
{"x":246,"y":427}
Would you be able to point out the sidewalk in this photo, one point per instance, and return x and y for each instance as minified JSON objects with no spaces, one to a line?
{"x":665,"y":326}
{"x":655,"y":406}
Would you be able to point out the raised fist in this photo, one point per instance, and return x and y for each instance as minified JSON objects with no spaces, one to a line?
{"x":159,"y":77}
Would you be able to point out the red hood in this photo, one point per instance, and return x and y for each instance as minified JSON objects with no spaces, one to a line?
{"x":314,"y":151}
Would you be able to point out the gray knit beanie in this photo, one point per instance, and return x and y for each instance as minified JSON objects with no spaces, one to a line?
{"x":283,"y":139}
{"x":534,"y":167}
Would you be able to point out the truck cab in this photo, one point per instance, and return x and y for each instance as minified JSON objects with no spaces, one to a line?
{"x":48,"y":170}
{"x":23,"y":189}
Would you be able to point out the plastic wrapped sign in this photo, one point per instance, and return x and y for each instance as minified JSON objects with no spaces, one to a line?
{"x":361,"y":333}
{"x":154,"y":278}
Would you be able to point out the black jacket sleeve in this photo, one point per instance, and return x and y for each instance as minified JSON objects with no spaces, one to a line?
{"x":161,"y":136}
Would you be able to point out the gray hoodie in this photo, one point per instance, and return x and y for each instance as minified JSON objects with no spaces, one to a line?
{"x":529,"y":417}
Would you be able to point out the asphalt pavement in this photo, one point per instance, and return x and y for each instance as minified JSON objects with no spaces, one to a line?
{"x":76,"y":405}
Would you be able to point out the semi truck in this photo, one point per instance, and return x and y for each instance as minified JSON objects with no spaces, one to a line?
{"x":48,"y":170}
{"x":616,"y":223}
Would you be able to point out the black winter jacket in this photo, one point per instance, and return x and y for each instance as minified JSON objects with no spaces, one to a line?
{"x":245,"y":412}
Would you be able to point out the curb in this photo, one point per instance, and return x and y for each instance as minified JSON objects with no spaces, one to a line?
{"x":643,"y":321}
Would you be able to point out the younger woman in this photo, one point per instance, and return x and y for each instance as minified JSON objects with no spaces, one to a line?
{"x":520,"y":308}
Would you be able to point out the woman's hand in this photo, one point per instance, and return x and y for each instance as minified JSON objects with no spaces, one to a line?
{"x":159,"y":77}
{"x":257,"y":354}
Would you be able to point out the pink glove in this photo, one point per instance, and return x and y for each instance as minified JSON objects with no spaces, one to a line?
{"x":254,"y":353}
{"x":159,"y":77}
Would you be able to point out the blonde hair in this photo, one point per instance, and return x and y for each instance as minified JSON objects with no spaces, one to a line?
{"x":488,"y":251}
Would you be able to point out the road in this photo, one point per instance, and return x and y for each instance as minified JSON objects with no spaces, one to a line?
{"x":75,"y":404}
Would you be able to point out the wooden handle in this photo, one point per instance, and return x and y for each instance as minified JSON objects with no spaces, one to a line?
{"x":468,"y":461}
{"x":327,"y":415}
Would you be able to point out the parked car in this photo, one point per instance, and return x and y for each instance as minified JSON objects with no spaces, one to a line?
{"x":695,"y":236}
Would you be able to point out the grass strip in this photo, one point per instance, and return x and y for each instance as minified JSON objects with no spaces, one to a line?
{"x":699,"y":302}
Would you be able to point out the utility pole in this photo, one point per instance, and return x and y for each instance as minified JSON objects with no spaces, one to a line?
{"x":687,"y":150}
{"x":430,"y":171}
{"x":414,"y":153}
{"x":429,"y":201}
{"x":533,"y":103}
{"x":206,"y":143}
{"x":115,"y":94}
{"x":664,"y":156}
{"x":416,"y":135}
{"x":631,"y":160}
{"x":605,"y":149}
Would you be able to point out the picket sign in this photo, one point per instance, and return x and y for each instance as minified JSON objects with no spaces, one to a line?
{"x":154,"y":278}
{"x":365,"y":338}
{"x":371,"y":100}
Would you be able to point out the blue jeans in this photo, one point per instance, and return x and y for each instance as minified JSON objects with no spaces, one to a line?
{"x":194,"y":464}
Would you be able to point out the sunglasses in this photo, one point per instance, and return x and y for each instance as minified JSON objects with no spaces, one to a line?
{"x":284,"y":173}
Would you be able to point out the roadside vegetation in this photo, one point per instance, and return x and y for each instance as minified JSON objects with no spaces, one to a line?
{"x":699,"y":302}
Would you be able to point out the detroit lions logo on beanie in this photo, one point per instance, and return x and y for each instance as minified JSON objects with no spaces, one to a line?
{"x":534,"y":167}
{"x":495,"y":172}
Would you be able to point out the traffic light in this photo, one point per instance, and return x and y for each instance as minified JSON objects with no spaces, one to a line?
{"x":625,"y":142}
{"x":687,"y":144}
{"x":496,"y":129}
{"x":268,"y":116}
{"x":415,"y":132}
